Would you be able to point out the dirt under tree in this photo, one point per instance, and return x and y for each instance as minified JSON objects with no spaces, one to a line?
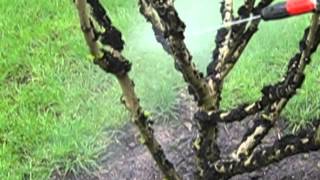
{"x":127,"y":159}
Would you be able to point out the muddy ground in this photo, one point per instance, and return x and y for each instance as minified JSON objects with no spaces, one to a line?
{"x":126,"y":159}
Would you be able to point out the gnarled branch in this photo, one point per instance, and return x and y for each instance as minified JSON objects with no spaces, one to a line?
{"x":166,"y":22}
{"x":305,"y":141}
{"x":106,"y":44}
{"x":169,"y":28}
{"x":111,"y":61}
{"x":284,"y":92}
{"x":231,"y":41}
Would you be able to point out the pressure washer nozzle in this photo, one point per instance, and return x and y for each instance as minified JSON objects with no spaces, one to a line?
{"x":289,"y":8}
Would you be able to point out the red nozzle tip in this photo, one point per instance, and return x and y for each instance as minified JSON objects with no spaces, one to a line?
{"x":295,"y":7}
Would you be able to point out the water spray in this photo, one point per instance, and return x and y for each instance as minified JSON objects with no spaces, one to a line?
{"x":277,"y":11}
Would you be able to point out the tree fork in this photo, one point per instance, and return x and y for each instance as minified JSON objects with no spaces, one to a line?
{"x":166,"y":22}
{"x":292,"y":82}
{"x":232,"y":40}
{"x":106,"y":46}
{"x":224,"y":41}
{"x":113,"y":62}
{"x":305,"y":141}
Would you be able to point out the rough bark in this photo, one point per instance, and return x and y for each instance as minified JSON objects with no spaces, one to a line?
{"x":285,"y":90}
{"x":305,"y":141}
{"x":106,"y":44}
{"x":232,"y":40}
{"x":167,"y":24}
{"x":111,"y":61}
{"x":169,"y":30}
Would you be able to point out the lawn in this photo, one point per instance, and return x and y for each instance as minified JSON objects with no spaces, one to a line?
{"x":56,"y":105}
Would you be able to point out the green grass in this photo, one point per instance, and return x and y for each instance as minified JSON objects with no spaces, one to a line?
{"x":55,"y":104}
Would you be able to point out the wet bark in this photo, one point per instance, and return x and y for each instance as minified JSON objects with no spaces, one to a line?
{"x":108,"y":57}
{"x":106,"y":44}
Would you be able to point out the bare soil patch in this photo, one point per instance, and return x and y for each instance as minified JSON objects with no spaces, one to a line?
{"x":127,"y":159}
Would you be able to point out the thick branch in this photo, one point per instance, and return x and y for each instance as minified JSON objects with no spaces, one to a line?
{"x":223,"y":42}
{"x":113,"y":62}
{"x":293,"y":80}
{"x":232,"y":40}
{"x":169,"y":31}
{"x":307,"y":140}
{"x":271,"y":94}
{"x":166,"y":22}
{"x":206,"y":148}
{"x":223,"y":46}
{"x":86,"y":27}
